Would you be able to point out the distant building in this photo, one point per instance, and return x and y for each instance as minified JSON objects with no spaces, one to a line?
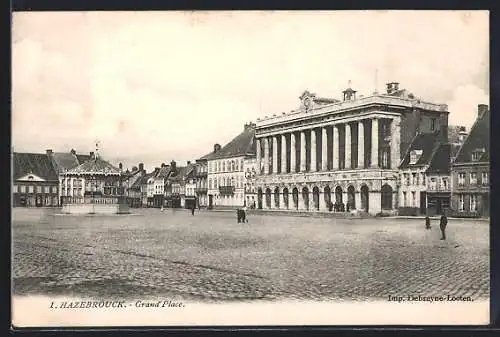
{"x":470,"y":173}
{"x":95,"y":186}
{"x":36,"y":181}
{"x":133,"y":182}
{"x":183,"y":186}
{"x":226,"y":170}
{"x":250,"y":166}
{"x":201,"y":173}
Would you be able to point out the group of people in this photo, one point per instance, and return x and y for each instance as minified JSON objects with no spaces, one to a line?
{"x":443,"y":222}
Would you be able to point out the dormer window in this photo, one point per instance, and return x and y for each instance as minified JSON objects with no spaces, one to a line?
{"x":415,"y":156}
{"x":477,"y":154}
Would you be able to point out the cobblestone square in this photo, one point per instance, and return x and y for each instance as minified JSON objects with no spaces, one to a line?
{"x":210,"y":257}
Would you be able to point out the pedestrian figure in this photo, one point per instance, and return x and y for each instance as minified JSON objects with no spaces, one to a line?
{"x":192,"y":209}
{"x":427,"y":223}
{"x":442,"y":225}
{"x":347,"y":207}
{"x":244,"y":214}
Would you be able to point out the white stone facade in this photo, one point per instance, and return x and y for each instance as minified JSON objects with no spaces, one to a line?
{"x":226,"y":181}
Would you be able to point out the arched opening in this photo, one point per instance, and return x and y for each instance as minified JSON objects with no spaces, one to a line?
{"x":351,"y":201}
{"x":259,"y":198}
{"x":364,"y":198}
{"x":328,"y":198}
{"x":316,"y":197}
{"x":295,"y":197}
{"x":338,"y":198}
{"x":386,"y":196}
{"x":268,"y":198}
{"x":277,"y":197}
{"x":305,"y":197}
{"x":285,"y":197}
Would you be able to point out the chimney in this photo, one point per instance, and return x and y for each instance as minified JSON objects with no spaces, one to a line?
{"x":173,"y":166}
{"x":216,"y":148}
{"x":189,"y":162}
{"x":141,"y":166}
{"x":120,"y":166}
{"x":91,"y":154}
{"x":481,"y":109}
{"x":462,"y":134}
{"x":49,"y":152}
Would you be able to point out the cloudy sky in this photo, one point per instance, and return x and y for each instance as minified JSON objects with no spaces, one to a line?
{"x":157,"y":86}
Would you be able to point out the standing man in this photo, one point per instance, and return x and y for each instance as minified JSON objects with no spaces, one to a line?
{"x":427,"y":223}
{"x":192,"y":208}
{"x":442,"y":225}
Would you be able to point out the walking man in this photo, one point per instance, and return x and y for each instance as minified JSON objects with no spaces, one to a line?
{"x":442,"y":225}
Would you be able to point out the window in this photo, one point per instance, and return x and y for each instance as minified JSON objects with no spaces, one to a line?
{"x":30,"y":189}
{"x":417,"y":181}
{"x":413,"y":178}
{"x":14,"y":189}
{"x":433,"y":184}
{"x":39,"y":189}
{"x":461,"y":204}
{"x":484,"y":178}
{"x":46,"y":189}
{"x":407,"y":179}
{"x":385,"y":159}
{"x":415,"y":156}
{"x":210,"y":183}
{"x":433,"y":124}
{"x":473,"y":203}
{"x":241,"y":164}
{"x":386,"y":197}
{"x":237,"y":169}
{"x":23,"y":189}
{"x":404,"y":199}
{"x":413,"y":199}
{"x":461,"y":179}
{"x":423,"y":179}
{"x":445,"y":183}
{"x":473,"y":178}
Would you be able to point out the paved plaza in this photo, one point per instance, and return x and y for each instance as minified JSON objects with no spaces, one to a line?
{"x":209,"y":256}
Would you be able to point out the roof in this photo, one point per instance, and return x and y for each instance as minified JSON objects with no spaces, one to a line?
{"x":65,"y":161}
{"x":142,"y":180}
{"x":241,"y":145}
{"x":38,"y":164}
{"x":425,"y":142}
{"x":82,"y":158}
{"x":478,"y":138}
{"x":440,"y":159}
{"x":164,"y":172}
{"x":95,"y":166}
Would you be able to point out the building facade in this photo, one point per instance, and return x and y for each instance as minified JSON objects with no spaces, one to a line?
{"x":36,"y":182}
{"x":341,"y":155}
{"x":226,"y":170}
{"x":470,"y":173}
{"x":201,"y":172}
{"x":250,"y":166}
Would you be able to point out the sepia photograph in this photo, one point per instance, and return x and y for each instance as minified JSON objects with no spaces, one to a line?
{"x":250,"y":168}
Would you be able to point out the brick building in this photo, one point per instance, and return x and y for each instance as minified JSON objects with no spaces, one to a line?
{"x":470,"y":171}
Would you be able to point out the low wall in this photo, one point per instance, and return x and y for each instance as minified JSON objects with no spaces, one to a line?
{"x":95,"y":208}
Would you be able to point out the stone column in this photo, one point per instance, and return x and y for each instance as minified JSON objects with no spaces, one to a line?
{"x":83,"y":187}
{"x":374,"y":161}
{"x":272,"y":200}
{"x":357,"y":199}
{"x":266,"y":155}
{"x":313,"y":151}
{"x":335,"y":147}
{"x":347,"y":146}
{"x":257,"y":156}
{"x":71,"y":184}
{"x":311,"y":201}
{"x":293,"y":161}
{"x":395,"y":142}
{"x":324,"y":150}
{"x":275,"y":154}
{"x":300,"y":200}
{"x":283,"y":154}
{"x":302,"y":151}
{"x":361,"y":145}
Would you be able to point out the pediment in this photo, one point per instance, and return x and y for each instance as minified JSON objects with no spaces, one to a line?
{"x":30,"y":177}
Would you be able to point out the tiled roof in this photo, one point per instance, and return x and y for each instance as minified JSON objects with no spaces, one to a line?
{"x":143,"y":180}
{"x":164,"y":172}
{"x":95,"y":166}
{"x":440,"y":159}
{"x":38,"y":164}
{"x":478,"y":138}
{"x":241,"y":145}
{"x":183,"y":172}
{"x":64,"y":161}
{"x":82,"y":158}
{"x":425,"y":142}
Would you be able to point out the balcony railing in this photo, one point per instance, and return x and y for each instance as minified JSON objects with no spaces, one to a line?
{"x":226,"y":190}
{"x":201,"y":174}
{"x":201,"y":190}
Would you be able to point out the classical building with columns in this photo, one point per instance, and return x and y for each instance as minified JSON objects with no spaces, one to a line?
{"x":341,"y":154}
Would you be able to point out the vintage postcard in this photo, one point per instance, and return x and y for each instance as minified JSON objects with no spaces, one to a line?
{"x":250,"y":168}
